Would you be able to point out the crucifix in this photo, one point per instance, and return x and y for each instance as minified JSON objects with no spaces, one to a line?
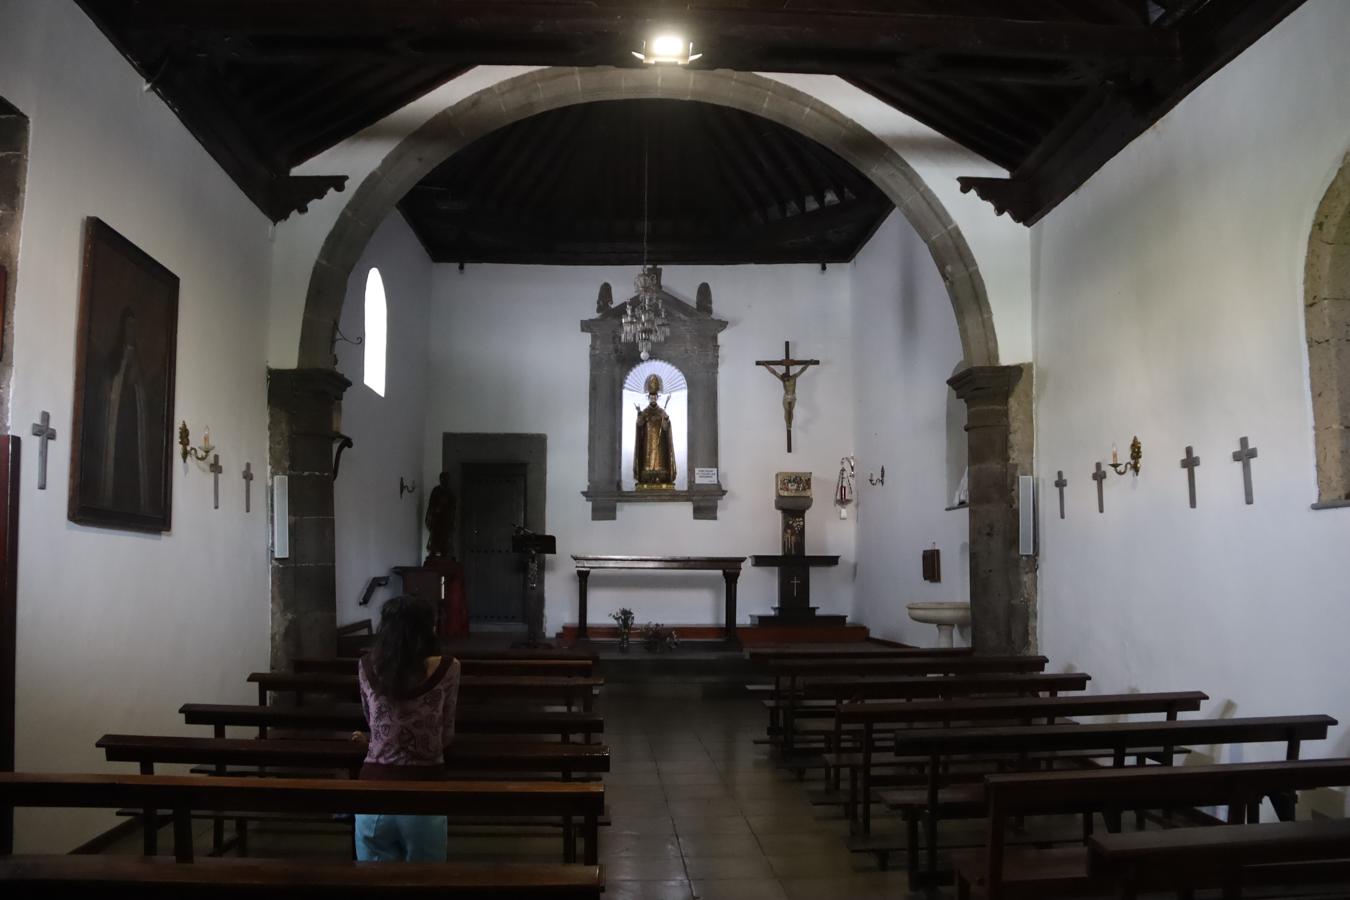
{"x":216,"y":468}
{"x":1190,"y":463}
{"x":1245,"y":454}
{"x":44,"y":432}
{"x":789,"y":379}
{"x":248,"y":487}
{"x":1061,"y":482}
{"x":795,"y":581}
{"x":1099,"y":476}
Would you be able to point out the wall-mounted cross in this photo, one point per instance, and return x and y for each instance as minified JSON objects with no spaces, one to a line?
{"x":1245,"y":454}
{"x":1099,"y":476}
{"x":1190,"y":463}
{"x":1061,"y":482}
{"x":44,"y":432}
{"x":247,"y":475}
{"x":789,"y":379}
{"x":215,"y":469}
{"x":794,"y":581}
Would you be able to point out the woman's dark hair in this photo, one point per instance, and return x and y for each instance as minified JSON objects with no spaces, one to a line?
{"x":407,"y":636}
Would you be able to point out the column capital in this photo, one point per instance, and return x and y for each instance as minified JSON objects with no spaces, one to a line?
{"x":295,"y":388}
{"x":985,"y":384}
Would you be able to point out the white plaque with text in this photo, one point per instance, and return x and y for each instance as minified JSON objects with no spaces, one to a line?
{"x":705,"y":476}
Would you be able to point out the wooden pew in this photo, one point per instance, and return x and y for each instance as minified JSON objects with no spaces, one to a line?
{"x":472,"y":688}
{"x":862,"y":650}
{"x":184,"y":795}
{"x":1121,"y":740}
{"x":1187,"y":859}
{"x":160,"y":878}
{"x":1158,"y":859}
{"x":835,"y":690}
{"x":219,"y":754}
{"x":517,"y":665}
{"x":469,"y":720}
{"x":870,"y":716}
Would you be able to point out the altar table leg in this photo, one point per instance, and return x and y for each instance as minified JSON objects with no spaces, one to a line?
{"x":583,"y":576}
{"x":730,"y":628}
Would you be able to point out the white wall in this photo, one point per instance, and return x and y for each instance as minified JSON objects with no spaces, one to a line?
{"x":1168,"y":297}
{"x":376,"y":526}
{"x":999,"y":245}
{"x":115,"y":629}
{"x":908,"y":420}
{"x":507,"y":355}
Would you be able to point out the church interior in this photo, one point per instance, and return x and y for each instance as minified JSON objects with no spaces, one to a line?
{"x":849,"y":448}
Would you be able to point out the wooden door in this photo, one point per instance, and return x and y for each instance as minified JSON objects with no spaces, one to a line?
{"x":494,"y":576}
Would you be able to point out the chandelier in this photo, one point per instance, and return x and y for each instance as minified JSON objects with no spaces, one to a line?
{"x":644,"y":318}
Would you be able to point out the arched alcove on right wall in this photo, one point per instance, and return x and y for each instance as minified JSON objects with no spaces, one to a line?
{"x":1326,"y":305}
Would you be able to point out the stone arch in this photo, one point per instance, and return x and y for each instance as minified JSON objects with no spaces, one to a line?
{"x":1326,"y":306}
{"x":544,"y":89}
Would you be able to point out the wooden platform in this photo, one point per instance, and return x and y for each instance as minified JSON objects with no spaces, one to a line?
{"x":749,"y":635}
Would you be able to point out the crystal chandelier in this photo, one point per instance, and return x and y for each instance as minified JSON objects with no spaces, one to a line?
{"x":644,"y":318}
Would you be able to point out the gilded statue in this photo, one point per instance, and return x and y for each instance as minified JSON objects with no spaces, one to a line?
{"x":654,"y":448}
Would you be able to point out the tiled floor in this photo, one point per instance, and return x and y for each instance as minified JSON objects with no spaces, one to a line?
{"x":697,"y":811}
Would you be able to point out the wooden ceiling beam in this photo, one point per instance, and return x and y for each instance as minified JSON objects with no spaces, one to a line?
{"x":416,"y":26}
{"x":1109,"y":118}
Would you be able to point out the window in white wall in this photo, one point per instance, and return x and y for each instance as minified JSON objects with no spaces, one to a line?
{"x":377,"y":332}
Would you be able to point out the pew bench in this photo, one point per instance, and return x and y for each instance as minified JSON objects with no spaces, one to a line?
{"x":348,"y":717}
{"x":999,"y":873}
{"x":1120,"y":740}
{"x":184,"y":795}
{"x":469,"y":665}
{"x":1230,"y":857}
{"x":282,"y":879}
{"x":472,"y":688}
{"x":236,"y":758}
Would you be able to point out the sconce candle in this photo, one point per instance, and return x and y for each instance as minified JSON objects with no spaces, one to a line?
{"x":202,"y":453}
{"x":1136,"y":459}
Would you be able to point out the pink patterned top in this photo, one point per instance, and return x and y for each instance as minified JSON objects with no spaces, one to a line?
{"x":408,"y":735}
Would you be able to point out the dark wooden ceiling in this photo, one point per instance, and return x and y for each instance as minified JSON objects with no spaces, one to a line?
{"x":1048,"y":89}
{"x":721,"y":186}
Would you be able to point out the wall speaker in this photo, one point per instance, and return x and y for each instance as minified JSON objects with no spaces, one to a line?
{"x":281,"y":517}
{"x":1026,"y":515}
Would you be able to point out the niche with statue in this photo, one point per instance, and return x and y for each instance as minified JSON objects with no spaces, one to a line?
{"x":653,"y":401}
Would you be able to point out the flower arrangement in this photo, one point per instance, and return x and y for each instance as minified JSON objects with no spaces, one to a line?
{"x":657,"y":638}
{"x":624,"y":618}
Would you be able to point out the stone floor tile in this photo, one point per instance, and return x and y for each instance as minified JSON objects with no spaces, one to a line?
{"x":705,"y":845}
{"x":702,"y":868}
{"x":740,"y":889}
{"x":711,"y":825}
{"x":649,"y":890}
{"x":646,"y":868}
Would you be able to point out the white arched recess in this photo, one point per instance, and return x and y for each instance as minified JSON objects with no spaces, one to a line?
{"x":385,"y":167}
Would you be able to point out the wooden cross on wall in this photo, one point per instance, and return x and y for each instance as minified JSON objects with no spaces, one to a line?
{"x":215,"y":469}
{"x":789,"y":379}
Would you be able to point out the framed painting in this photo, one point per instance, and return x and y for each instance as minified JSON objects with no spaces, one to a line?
{"x":121,"y":473}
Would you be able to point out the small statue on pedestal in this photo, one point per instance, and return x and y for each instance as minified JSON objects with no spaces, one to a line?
{"x":440,"y":520}
{"x":654,"y":446}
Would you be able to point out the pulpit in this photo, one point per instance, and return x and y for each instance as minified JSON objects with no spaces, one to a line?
{"x":792,"y":498}
{"x":535,"y":547}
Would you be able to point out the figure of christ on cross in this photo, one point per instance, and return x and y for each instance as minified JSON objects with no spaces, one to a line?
{"x":789,"y":379}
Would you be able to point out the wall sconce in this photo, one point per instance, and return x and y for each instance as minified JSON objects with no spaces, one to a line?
{"x":202,"y":453}
{"x":405,"y":487}
{"x":874,"y":480}
{"x":1136,"y":458}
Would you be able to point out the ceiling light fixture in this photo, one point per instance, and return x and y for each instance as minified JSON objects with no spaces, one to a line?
{"x":667,"y":49}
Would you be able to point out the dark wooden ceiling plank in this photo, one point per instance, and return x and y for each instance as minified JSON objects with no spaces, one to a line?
{"x":1107,"y":121}
{"x":733,"y":153}
{"x":945,"y":121}
{"x":518,"y":195}
{"x":767,"y":25}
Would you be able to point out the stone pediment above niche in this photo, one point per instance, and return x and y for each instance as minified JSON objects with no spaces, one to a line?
{"x":691,"y":347}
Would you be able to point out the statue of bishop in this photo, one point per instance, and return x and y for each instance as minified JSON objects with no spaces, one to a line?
{"x":654,"y":448}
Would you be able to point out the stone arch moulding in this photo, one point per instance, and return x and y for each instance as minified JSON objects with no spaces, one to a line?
{"x":1326,"y":306}
{"x":1002,"y":589}
{"x":539,"y":91}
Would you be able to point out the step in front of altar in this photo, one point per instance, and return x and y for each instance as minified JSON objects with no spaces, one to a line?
{"x":760,"y":633}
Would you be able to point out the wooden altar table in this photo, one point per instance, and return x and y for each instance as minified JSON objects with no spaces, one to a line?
{"x":729,"y":566}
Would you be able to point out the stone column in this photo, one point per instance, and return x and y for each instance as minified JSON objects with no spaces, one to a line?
{"x":304,"y":415}
{"x":1000,"y":443}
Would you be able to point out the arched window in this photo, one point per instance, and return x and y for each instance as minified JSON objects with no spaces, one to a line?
{"x":674,"y":400}
{"x":1326,"y":305}
{"x":377,"y":332}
